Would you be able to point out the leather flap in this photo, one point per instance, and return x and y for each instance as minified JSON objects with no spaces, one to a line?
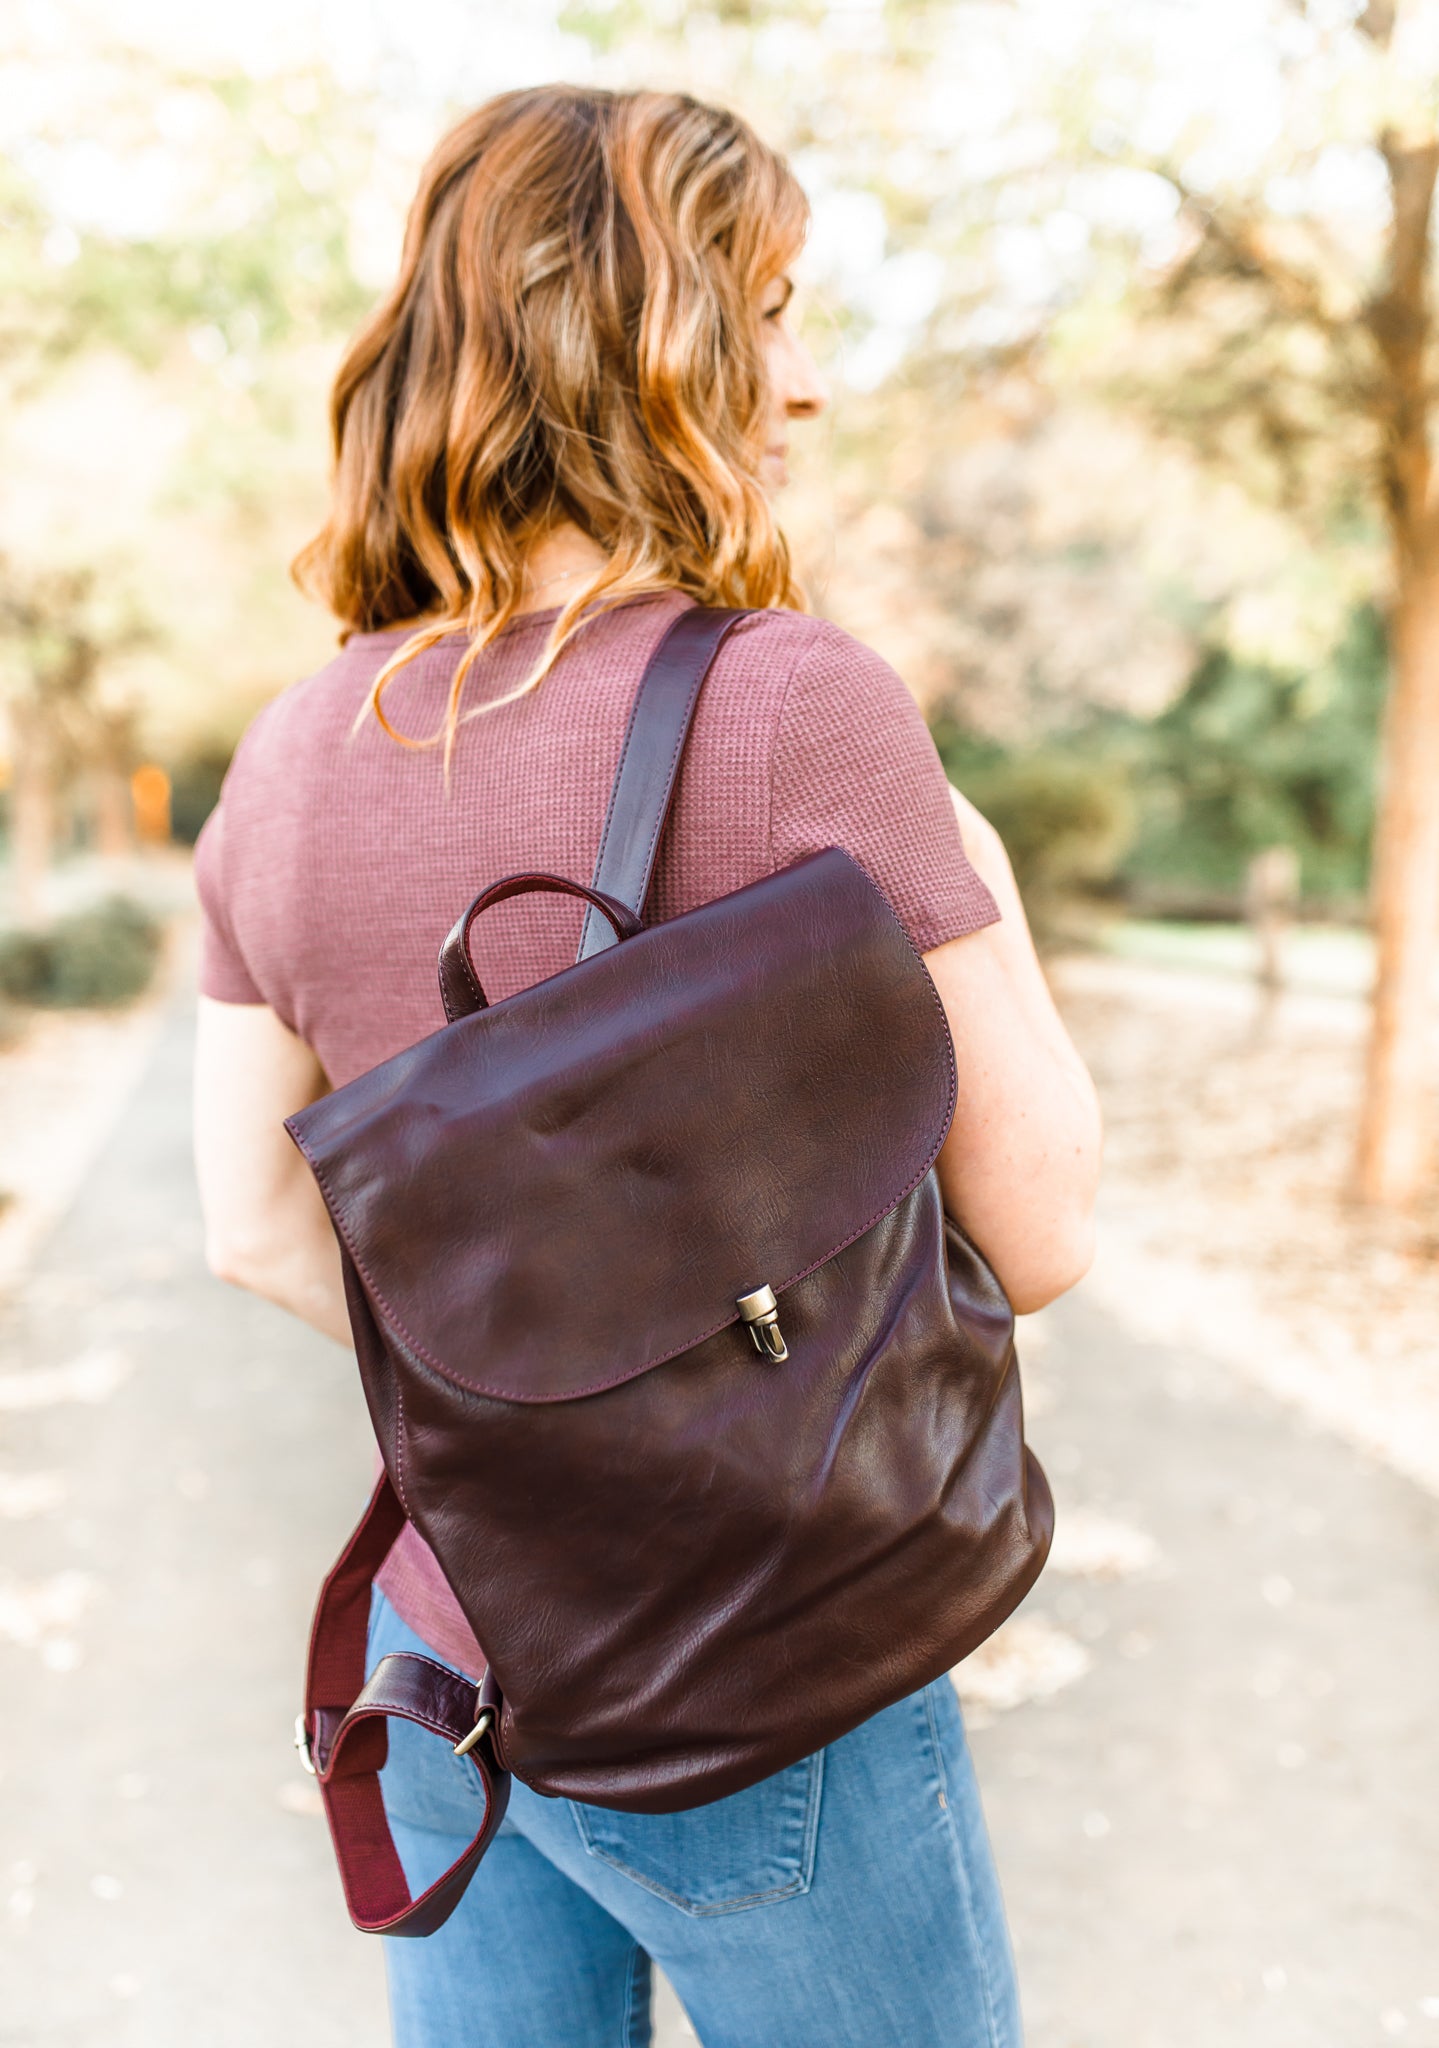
{"x":553,"y":1195}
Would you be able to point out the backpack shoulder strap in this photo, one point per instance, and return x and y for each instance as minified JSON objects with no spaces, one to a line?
{"x":644,"y":784}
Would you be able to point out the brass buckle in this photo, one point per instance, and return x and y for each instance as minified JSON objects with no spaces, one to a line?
{"x":485,"y":1721}
{"x":760,"y":1311}
{"x":302,"y":1744}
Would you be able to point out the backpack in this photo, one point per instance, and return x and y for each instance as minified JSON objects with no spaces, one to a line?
{"x":709,"y":1413}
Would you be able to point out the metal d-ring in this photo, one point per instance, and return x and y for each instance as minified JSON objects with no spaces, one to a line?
{"x":485,"y":1721}
{"x":302,"y":1744}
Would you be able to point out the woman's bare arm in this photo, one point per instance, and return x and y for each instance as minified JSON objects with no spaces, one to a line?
{"x":1020,"y":1167}
{"x":266,"y":1228}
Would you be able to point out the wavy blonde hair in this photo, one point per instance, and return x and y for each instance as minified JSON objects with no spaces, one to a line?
{"x":574,"y":335}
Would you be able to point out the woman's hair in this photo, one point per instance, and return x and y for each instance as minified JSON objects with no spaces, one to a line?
{"x":573,"y":336}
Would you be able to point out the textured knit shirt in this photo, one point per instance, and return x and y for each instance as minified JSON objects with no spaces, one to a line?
{"x":337,"y":859}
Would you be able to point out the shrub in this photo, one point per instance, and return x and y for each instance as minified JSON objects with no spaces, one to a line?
{"x":1066,"y":816}
{"x":94,"y":958}
{"x":1249,"y":757}
{"x":1173,"y":808}
{"x":195,"y":790}
{"x":1065,"y":821}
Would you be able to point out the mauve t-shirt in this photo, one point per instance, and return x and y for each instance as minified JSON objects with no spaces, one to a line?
{"x":337,"y":859}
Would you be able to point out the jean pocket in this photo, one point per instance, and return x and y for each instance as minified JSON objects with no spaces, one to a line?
{"x":748,"y":1850}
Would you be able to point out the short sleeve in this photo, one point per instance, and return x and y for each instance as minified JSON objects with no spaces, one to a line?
{"x":223,"y":973}
{"x":854,"y":766}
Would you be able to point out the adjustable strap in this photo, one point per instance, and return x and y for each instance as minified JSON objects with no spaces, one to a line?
{"x":341,"y":1737}
{"x":644,"y":784}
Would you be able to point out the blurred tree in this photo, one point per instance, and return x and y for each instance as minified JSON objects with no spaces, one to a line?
{"x":1301,"y":354}
{"x":176,"y":269}
{"x":57,"y":630}
{"x":253,"y":253}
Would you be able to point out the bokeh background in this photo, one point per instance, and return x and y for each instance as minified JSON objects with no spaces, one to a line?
{"x":1128,"y":310}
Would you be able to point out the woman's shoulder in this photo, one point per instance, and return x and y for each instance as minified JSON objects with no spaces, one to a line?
{"x":796,"y":634}
{"x":815,"y":676}
{"x":803,"y":656}
{"x":852,"y":764}
{"x":325,"y":700}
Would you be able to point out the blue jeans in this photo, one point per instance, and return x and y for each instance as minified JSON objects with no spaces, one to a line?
{"x":848,"y":1902}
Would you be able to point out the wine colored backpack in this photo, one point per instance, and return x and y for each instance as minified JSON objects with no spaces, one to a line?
{"x":710,"y":1415}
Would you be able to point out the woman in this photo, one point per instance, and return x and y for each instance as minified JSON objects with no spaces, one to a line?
{"x":564,"y":425}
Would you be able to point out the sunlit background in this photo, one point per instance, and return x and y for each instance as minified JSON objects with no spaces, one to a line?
{"x":1128,"y":313}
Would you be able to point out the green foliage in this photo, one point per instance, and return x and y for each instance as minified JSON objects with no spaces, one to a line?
{"x":1246,"y":757}
{"x":90,"y":960}
{"x":1065,"y":818}
{"x":260,"y":257}
{"x":195,"y":790}
{"x":180,"y":254}
{"x":1250,"y":757}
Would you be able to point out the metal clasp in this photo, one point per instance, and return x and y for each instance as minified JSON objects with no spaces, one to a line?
{"x":302,"y":1744}
{"x":761,"y":1311}
{"x":485,"y":1720}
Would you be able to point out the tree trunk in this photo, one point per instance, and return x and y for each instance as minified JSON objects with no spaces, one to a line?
{"x":1396,"y":1129}
{"x":113,"y":751}
{"x":1394,"y":1135}
{"x":112,"y":815}
{"x":32,"y":810}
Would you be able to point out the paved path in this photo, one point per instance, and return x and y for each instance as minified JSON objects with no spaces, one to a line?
{"x":1221,"y":1833}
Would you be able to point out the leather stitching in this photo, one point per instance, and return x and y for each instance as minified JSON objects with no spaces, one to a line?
{"x":399,"y":1439}
{"x":453,"y":1016}
{"x":675,"y":752}
{"x":467,"y":964}
{"x":397,"y":1713}
{"x":630,"y":729}
{"x":616,"y":804}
